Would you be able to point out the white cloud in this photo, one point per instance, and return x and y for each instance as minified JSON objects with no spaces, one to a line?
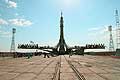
{"x":15,"y":22}
{"x":20,"y":22}
{"x":98,"y":30}
{"x":6,"y":1}
{"x":5,"y":34}
{"x":16,"y":14}
{"x":11,"y":4}
{"x":101,"y":35}
{"x":94,"y":29}
{"x":67,"y":4}
{"x":3,"y":22}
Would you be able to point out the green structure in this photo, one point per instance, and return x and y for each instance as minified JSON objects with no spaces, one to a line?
{"x":117,"y":52}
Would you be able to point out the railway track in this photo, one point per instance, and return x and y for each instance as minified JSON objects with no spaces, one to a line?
{"x":77,"y":73}
{"x":93,"y":71}
{"x":56,"y":75}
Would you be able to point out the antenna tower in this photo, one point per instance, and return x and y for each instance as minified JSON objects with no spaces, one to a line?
{"x":12,"y":49}
{"x":111,"y":43}
{"x":117,"y":30}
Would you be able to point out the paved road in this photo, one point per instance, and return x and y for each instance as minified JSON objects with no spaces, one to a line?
{"x":60,"y":68}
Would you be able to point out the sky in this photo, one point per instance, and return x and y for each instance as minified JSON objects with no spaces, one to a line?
{"x":85,"y":21}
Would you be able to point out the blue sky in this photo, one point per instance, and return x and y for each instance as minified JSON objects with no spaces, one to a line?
{"x":85,"y":21}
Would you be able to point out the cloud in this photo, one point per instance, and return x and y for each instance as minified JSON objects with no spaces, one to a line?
{"x":16,"y":14}
{"x":5,"y":34}
{"x":3,"y":22}
{"x":20,"y":22}
{"x":102,"y":35}
{"x":15,"y":22}
{"x":94,"y":29}
{"x":67,"y":4}
{"x":6,"y":1}
{"x":11,"y":4}
{"x":98,"y":30}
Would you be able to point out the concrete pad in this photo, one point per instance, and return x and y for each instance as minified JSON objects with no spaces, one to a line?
{"x":44,"y":77}
{"x":97,"y":70}
{"x":116,"y":68}
{"x":2,"y":73}
{"x":35,"y":70}
{"x":25,"y":76}
{"x":7,"y":69}
{"x":38,"y":68}
{"x":109,"y":70}
{"x":23,"y":69}
{"x":66,"y":70}
{"x":93,"y":77}
{"x":84,"y":70}
{"x":112,"y":76}
{"x":68,"y":76}
{"x":48,"y":70}
{"x":8,"y":76}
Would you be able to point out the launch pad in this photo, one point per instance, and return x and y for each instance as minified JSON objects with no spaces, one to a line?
{"x":62,"y":48}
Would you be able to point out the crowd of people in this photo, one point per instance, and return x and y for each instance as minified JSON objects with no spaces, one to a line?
{"x":91,"y":46}
{"x":28,"y":46}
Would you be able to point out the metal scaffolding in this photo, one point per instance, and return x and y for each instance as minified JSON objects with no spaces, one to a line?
{"x":117,"y":30}
{"x":111,"y":43}
{"x":12,"y":49}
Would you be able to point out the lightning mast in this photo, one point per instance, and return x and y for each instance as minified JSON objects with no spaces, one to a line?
{"x":117,"y":29}
{"x":12,"y":49}
{"x":111,"y":43}
{"x":117,"y":33}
